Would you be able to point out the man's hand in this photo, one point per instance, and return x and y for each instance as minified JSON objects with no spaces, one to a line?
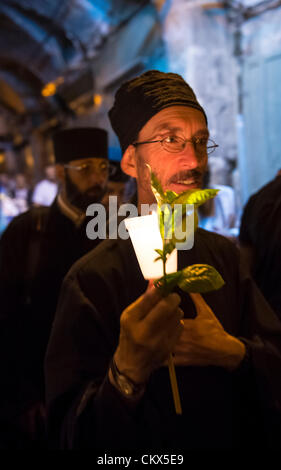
{"x":204,"y":341}
{"x":149,"y":331}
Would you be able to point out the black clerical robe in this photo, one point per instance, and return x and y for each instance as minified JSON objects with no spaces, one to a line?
{"x":261,"y":230}
{"x":221,"y":409}
{"x":36,"y":251}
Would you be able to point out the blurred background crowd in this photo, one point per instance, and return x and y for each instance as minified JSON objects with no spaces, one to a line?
{"x":61,"y":63}
{"x":19,"y":192}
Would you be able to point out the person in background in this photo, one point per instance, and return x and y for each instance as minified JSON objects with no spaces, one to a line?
{"x":260,"y":240}
{"x":45,"y":191}
{"x":36,"y":251}
{"x":8,"y":208}
{"x":107,"y":380}
{"x":219,"y":214}
{"x":21,"y":193}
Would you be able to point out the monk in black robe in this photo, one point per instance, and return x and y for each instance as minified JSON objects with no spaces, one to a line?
{"x":36,"y":251}
{"x":106,"y":374}
{"x":260,"y":240}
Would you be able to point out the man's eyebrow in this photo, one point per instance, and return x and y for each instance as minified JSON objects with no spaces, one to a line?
{"x":200,"y":132}
{"x":167,"y":127}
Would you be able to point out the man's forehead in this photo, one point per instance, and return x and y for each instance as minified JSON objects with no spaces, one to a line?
{"x":83,"y":161}
{"x":177,"y":118}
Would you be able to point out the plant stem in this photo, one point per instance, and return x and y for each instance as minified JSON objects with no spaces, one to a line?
{"x":164,"y":270}
{"x":171,"y":365}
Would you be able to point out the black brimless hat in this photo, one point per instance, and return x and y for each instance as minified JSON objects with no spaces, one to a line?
{"x":139,"y":99}
{"x":79,"y":143}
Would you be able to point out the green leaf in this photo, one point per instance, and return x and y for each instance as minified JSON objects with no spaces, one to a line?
{"x":161,"y":222}
{"x":168,"y":248}
{"x":170,"y":196}
{"x":156,"y":187}
{"x":160,"y":252}
{"x":195,"y":196}
{"x":200,"y":278}
{"x":165,"y":221}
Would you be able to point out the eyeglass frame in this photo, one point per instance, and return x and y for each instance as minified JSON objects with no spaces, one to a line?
{"x":84,"y":165}
{"x":135,"y":144}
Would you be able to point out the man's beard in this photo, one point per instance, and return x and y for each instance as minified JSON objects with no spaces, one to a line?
{"x":82,"y":200}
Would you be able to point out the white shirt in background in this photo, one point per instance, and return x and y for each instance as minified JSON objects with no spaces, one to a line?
{"x":44,"y":193}
{"x":225,"y":218}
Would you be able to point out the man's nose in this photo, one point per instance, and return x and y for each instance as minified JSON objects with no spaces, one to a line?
{"x":97,"y":177}
{"x":190,"y":156}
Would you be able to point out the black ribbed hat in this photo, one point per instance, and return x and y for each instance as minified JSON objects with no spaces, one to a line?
{"x":139,"y":99}
{"x":80,"y":142}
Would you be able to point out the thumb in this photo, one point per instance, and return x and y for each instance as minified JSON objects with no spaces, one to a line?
{"x":202,"y":308}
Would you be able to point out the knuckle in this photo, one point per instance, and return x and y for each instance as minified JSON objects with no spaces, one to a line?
{"x":125,"y":320}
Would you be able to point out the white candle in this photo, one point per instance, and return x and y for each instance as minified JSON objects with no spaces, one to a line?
{"x":145,"y":236}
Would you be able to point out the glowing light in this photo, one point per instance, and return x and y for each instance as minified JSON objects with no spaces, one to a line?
{"x":145,"y":236}
{"x":29,"y":160}
{"x":97,"y":99}
{"x":50,"y":88}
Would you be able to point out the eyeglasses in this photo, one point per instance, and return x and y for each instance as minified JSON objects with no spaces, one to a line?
{"x":86,"y":168}
{"x":175,"y":144}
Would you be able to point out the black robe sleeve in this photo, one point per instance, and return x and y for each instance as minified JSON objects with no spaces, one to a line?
{"x":86,"y":411}
{"x":261,"y":333}
{"x":14,"y":246}
{"x":84,"y":408}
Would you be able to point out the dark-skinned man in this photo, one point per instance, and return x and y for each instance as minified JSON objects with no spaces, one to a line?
{"x":37,"y":250}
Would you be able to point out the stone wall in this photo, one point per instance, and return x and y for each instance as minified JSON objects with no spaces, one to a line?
{"x":197,"y":43}
{"x":262,"y":35}
{"x":261,"y":100}
{"x":199,"y":46}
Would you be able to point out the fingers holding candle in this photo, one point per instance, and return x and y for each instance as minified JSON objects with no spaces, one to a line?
{"x":149,"y":330}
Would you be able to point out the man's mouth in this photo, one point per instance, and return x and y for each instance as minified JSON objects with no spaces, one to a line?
{"x":180,"y":187}
{"x":180,"y":183}
{"x":187,"y":181}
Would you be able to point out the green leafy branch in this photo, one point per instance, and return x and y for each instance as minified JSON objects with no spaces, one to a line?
{"x":194,"y":278}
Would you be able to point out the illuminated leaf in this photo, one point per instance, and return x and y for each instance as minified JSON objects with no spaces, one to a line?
{"x":168,"y":248}
{"x":156,"y":187}
{"x":170,"y":196}
{"x":195,"y":196}
{"x":165,"y":215}
{"x":200,"y":278}
{"x":173,"y":210}
{"x":161,"y":222}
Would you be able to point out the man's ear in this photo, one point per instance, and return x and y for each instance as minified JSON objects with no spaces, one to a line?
{"x":60,"y":173}
{"x":128,"y":162}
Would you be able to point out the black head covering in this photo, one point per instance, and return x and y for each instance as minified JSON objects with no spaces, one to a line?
{"x":139,"y":99}
{"x":79,"y":143}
